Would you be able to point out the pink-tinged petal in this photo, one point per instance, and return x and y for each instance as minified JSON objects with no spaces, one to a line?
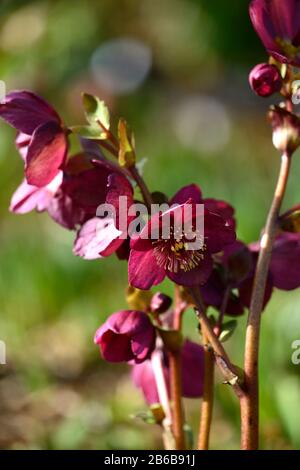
{"x":285,"y":262}
{"x":27,"y":198}
{"x":46,"y":154}
{"x":144,"y":379}
{"x":22,"y":143}
{"x":94,"y":237}
{"x":192,"y":358}
{"x":192,"y":192}
{"x":143,"y":270}
{"x":194,"y":277}
{"x":26,"y":111}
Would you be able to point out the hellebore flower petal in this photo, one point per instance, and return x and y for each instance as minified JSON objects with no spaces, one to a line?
{"x":127,"y":335}
{"x":65,"y":212}
{"x":144,"y":379}
{"x":177,"y":247}
{"x":221,"y":208}
{"x":88,"y":188}
{"x":94,"y":237}
{"x":218,"y":233}
{"x":193,"y":277}
{"x":46,"y":154}
{"x":245,"y":291}
{"x":114,"y":347}
{"x":192,"y":359}
{"x":285,"y":262}
{"x":143,"y":270}
{"x":25,"y":111}
{"x":27,"y":198}
{"x":192,"y":192}
{"x":22,"y":143}
{"x":277,"y":23}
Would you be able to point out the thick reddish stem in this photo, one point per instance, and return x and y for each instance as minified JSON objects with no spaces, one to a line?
{"x":250,"y":400}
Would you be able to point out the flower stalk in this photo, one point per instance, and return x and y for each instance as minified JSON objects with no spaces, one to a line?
{"x":208,"y":396}
{"x":250,"y":400}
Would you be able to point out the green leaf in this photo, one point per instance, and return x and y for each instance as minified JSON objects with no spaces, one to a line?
{"x":127,"y":145}
{"x":228,"y":330}
{"x":89,"y":132}
{"x":95,"y":110}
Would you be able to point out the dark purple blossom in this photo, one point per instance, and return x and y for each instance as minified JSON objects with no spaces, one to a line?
{"x":126,"y":336}
{"x":285,"y":261}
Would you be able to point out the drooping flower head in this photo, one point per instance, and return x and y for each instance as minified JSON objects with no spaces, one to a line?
{"x":277,"y":23}
{"x":101,"y":236}
{"x":126,"y":336}
{"x":43,"y":140}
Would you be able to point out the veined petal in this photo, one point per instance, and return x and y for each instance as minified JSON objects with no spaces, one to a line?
{"x":46,"y":154}
{"x":143,"y":270}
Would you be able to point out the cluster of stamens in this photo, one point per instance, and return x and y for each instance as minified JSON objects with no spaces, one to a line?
{"x":175,"y":253}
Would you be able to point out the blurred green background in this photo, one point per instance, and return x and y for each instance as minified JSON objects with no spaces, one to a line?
{"x":195,"y":120}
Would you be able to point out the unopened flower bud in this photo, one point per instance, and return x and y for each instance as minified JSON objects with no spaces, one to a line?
{"x":265,"y":80}
{"x":160,"y":303}
{"x":286,"y":130}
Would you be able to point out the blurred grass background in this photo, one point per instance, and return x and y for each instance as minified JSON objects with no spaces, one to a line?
{"x":195,"y":120}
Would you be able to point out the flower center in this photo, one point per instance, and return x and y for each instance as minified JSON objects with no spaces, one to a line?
{"x":175,"y":254}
